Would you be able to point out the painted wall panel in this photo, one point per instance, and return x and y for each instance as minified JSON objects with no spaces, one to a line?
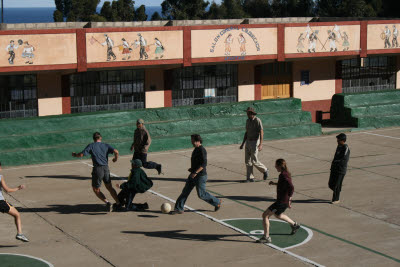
{"x":133,"y":46}
{"x":383,"y":36}
{"x":37,"y":49}
{"x":50,"y":106}
{"x":234,"y":41}
{"x":311,"y":39}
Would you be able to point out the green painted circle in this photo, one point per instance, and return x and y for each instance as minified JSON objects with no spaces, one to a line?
{"x":11,"y":260}
{"x":279,"y":231}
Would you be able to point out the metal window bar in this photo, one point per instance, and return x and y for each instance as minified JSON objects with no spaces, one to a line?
{"x":107,"y":90}
{"x":190,"y":85}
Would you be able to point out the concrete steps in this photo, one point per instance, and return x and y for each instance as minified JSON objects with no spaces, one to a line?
{"x":40,"y":140}
{"x":367,"y":110}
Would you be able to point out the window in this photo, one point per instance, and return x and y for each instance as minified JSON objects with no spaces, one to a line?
{"x":368,"y":74}
{"x":18,"y":96}
{"x":107,"y":90}
{"x":305,"y":77}
{"x":204,"y":84}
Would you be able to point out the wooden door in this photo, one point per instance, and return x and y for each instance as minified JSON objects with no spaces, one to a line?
{"x":276,"y":86}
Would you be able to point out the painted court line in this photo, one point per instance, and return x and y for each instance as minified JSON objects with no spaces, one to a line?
{"x":317,"y":230}
{"x":309,"y":232}
{"x":387,"y":136}
{"x":27,"y":256}
{"x":227,"y":225}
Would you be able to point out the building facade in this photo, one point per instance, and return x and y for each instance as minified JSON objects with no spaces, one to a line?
{"x":72,"y":70}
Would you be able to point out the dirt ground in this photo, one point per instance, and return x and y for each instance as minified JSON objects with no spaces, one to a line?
{"x":67,"y":224}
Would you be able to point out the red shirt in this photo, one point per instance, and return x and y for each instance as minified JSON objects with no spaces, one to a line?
{"x":285,"y":188}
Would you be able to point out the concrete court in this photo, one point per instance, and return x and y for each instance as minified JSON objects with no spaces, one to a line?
{"x":68,"y":227}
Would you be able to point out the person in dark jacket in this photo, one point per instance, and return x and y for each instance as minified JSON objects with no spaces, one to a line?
{"x":138,"y":182}
{"x":339,"y":167}
{"x":141,"y":144}
{"x":284,"y":192}
{"x":197,"y":178}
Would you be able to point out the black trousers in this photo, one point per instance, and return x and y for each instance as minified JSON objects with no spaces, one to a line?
{"x":143,"y":158}
{"x":126,"y":197}
{"x":335,"y":184}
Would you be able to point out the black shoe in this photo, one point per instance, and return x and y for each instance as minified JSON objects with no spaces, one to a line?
{"x":295,"y":227}
{"x":158,"y":168}
{"x":174,"y":212}
{"x":219,"y":206}
{"x":264,"y":240}
{"x":116,"y":207}
{"x":265,"y":176}
{"x":108,"y":207}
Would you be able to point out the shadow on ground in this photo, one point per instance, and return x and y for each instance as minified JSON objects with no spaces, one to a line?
{"x":73,"y":177}
{"x":178,"y":234}
{"x":169,"y":179}
{"x":269,"y":199}
{"x":69,"y":209}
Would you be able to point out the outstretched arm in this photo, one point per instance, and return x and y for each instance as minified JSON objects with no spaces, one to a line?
{"x":9,"y":189}
{"x":77,"y":155}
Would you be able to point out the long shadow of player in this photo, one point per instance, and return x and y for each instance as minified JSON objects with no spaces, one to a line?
{"x":88,"y":209}
{"x":269,"y":199}
{"x":184,"y":180}
{"x":177,"y":234}
{"x":72,"y":177}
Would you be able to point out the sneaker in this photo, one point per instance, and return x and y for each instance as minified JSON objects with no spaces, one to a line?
{"x":295,"y":227}
{"x":335,"y":202}
{"x":219,"y":206}
{"x":108,"y":207}
{"x":145,"y":206}
{"x":264,"y":240}
{"x":265,"y":175}
{"x":174,"y":212}
{"x":158,"y":168}
{"x":22,"y":237}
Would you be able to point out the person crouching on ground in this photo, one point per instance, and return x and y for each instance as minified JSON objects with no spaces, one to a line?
{"x":138,"y":182}
{"x":284,"y":191}
{"x":7,"y":208}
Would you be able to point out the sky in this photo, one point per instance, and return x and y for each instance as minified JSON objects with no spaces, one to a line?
{"x":50,"y":3}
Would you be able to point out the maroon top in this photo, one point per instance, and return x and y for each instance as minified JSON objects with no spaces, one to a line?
{"x":285,"y":188}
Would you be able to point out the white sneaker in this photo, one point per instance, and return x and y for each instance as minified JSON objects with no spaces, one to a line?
{"x":22,"y":237}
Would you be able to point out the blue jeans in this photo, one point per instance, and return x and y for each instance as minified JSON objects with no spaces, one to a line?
{"x":200,"y":183}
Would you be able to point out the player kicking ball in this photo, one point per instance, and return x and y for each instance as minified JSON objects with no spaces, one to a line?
{"x":284,"y":191}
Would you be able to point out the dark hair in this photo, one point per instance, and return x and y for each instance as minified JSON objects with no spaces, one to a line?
{"x":197,"y":138}
{"x":281,"y":163}
{"x":96,"y":136}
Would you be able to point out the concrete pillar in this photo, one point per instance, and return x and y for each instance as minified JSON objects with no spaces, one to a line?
{"x":154,"y":88}
{"x":49,"y":94}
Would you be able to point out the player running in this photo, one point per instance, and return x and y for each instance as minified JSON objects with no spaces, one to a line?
{"x":284,"y":191}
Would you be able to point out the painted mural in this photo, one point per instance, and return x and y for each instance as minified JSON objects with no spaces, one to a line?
{"x":234,"y":42}
{"x":383,"y":36}
{"x":46,"y":49}
{"x":311,"y":39}
{"x":132,"y":46}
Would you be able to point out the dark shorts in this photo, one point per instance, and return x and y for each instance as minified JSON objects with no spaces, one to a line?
{"x":100,"y":173}
{"x":278,"y":208}
{"x":4,"y":206}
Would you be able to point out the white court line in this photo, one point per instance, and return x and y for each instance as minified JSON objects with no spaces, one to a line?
{"x":27,"y":256}
{"x":382,"y":135}
{"x":303,"y":259}
{"x":309,"y":232}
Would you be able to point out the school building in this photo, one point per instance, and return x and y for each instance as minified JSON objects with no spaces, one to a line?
{"x":63,"y":68}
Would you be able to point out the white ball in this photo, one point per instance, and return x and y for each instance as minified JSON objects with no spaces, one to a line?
{"x":165,"y":207}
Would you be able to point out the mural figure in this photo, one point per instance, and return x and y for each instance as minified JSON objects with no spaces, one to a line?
{"x":242,"y":42}
{"x":300,"y":45}
{"x":143,"y":46}
{"x":387,"y":37}
{"x":332,"y":41}
{"x":10,"y":49}
{"x":28,"y":52}
{"x":159,"y":48}
{"x":312,"y":40}
{"x":126,"y":50}
{"x":228,"y":42}
{"x":346,"y":44}
{"x":110,"y":45}
{"x":395,"y":34}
